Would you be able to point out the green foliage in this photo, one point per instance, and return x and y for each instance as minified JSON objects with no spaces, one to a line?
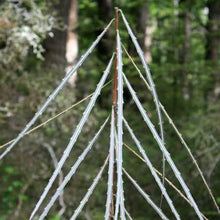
{"x":11,"y":185}
{"x":55,"y":217}
{"x":24,"y":25}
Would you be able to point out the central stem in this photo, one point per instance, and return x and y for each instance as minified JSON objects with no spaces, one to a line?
{"x":114,"y":103}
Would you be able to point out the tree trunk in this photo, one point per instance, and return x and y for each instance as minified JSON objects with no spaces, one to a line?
{"x":187,"y":30}
{"x":175,"y":54}
{"x":55,"y":47}
{"x":106,"y":46}
{"x":145,"y":28}
{"x":212,"y":46}
{"x":72,"y":41}
{"x":213,"y":26}
{"x":62,"y":49}
{"x":185,"y":16}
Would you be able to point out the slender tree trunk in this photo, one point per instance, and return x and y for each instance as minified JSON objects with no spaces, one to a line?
{"x":187,"y":30}
{"x":72,"y":41}
{"x":185,"y":16}
{"x":212,"y":46}
{"x":175,"y":54}
{"x":144,"y":27}
{"x":106,"y":46}
{"x":213,"y":26}
{"x":62,"y":49}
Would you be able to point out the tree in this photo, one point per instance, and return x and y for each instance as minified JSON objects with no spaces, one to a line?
{"x":62,"y":48}
{"x":212,"y":46}
{"x":105,"y":9}
{"x":56,"y":46}
{"x":185,"y":26}
{"x":145,"y":27}
{"x":72,"y":42}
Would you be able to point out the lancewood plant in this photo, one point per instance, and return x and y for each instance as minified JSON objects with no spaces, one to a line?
{"x":115,"y":206}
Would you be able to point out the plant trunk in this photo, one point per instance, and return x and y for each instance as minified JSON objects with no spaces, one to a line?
{"x":72,"y":41}
{"x":55,"y":47}
{"x":185,"y":16}
{"x":106,"y":45}
{"x":144,"y":26}
{"x":175,"y":54}
{"x":62,"y":49}
{"x":212,"y":46}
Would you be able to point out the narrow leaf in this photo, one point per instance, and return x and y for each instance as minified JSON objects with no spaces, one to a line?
{"x":90,"y":191}
{"x":111,"y":167}
{"x":128,"y":215}
{"x":146,"y":196}
{"x":72,"y":172}
{"x":151,"y":83}
{"x":178,"y":134}
{"x":149,"y":164}
{"x":74,"y":137}
{"x":120,"y":192}
{"x":163,"y":149}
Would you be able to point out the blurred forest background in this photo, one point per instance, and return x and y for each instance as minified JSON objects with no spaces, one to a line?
{"x":41,"y":40}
